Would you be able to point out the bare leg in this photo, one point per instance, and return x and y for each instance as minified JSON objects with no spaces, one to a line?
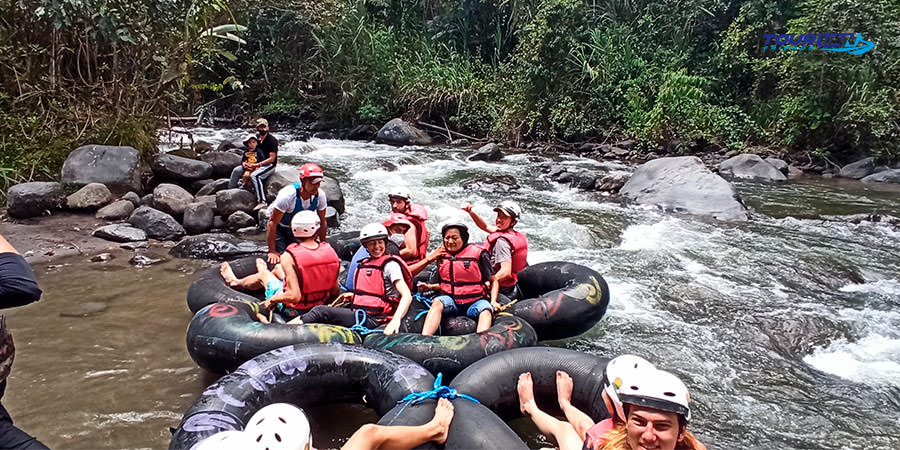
{"x":263,"y":271}
{"x":580,"y":421}
{"x":433,"y":318}
{"x":565,"y":435}
{"x":485,"y":319}
{"x":278,"y":272}
{"x":370,"y":437}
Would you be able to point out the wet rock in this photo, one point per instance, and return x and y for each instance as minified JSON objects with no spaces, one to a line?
{"x":794,"y":172}
{"x":282,"y":177}
{"x":116,"y":167}
{"x":184,"y":152}
{"x":888,"y":176}
{"x":181,"y":169}
{"x":556,"y":171}
{"x":218,"y":223}
{"x":132,"y":197}
{"x":324,"y":135}
{"x":332,"y":218}
{"x":750,"y":166}
{"x":881,"y":169}
{"x":222,"y":162}
{"x":683,"y":184}
{"x":195,"y":186}
{"x":399,"y":132}
{"x":333,"y":193}
{"x":859,"y":169}
{"x":611,"y":182}
{"x":239,"y":219}
{"x":33,"y":199}
{"x":202,"y":147}
{"x":215,"y":186}
{"x":171,"y":199}
{"x":247,"y":230}
{"x":147,"y":200}
{"x":103,"y":257}
{"x":120,"y":232}
{"x":134,"y":245}
{"x":157,"y":224}
{"x":362,"y":133}
{"x":584,"y":180}
{"x":117,"y":210}
{"x":234,"y":143}
{"x":215,"y":246}
{"x":198,"y":218}
{"x":210,"y":200}
{"x":565,"y":177}
{"x":85,"y":309}
{"x":231,"y":200}
{"x":460,"y":142}
{"x":491,"y":183}
{"x":487,"y":152}
{"x":89,"y":198}
{"x":141,"y":261}
{"x":779,"y":164}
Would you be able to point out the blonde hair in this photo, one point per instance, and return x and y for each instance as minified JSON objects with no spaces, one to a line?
{"x":617,"y":439}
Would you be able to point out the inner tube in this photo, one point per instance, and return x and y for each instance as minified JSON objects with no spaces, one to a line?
{"x":450,"y":354}
{"x":222,"y":336}
{"x":345,"y":244}
{"x":305,"y":375}
{"x":493,"y":380}
{"x":211,"y":288}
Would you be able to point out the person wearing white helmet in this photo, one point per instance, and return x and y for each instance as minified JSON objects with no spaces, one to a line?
{"x":508,"y":247}
{"x":279,"y":426}
{"x":416,"y":238}
{"x":227,"y":440}
{"x":380,"y":288}
{"x":291,"y":199}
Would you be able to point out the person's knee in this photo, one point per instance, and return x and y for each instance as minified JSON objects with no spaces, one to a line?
{"x":369,"y":432}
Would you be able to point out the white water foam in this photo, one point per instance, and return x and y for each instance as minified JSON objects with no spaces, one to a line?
{"x":874,"y":359}
{"x":883,"y":287}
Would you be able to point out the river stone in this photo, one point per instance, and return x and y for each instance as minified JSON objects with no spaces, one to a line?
{"x":234,"y":143}
{"x":85,"y":309}
{"x":487,"y":152}
{"x":132,"y":197}
{"x":117,"y":210}
{"x":171,"y":199}
{"x":103,"y":257}
{"x":683,"y":184}
{"x":201,"y":147}
{"x":33,"y":199}
{"x":146,"y":200}
{"x":462,"y":142}
{"x":584,"y":180}
{"x":222,"y":162}
{"x":333,"y":193}
{"x":859,"y":169}
{"x":135,"y":245}
{"x":611,"y":182}
{"x":157,"y":224}
{"x":361,"y":133}
{"x":181,"y":169}
{"x":120,"y":232}
{"x":195,"y":186}
{"x":116,"y":167}
{"x":89,"y":198}
{"x":777,"y":163}
{"x":141,"y":260}
{"x":198,"y":218}
{"x":239,"y":219}
{"x":216,"y":246}
{"x":332,"y":218}
{"x":210,"y":200}
{"x":212,"y":188}
{"x":232,"y":200}
{"x":400,"y":132}
{"x":751,"y":166}
{"x":218,"y":223}
{"x":282,"y":177}
{"x":888,"y":176}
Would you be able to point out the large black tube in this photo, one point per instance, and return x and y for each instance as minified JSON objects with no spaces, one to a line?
{"x":211,"y":288}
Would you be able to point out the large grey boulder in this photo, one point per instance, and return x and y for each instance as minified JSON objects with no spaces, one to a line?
{"x":181,"y":169}
{"x":171,"y":199}
{"x":157,"y":224}
{"x":859,"y":169}
{"x":683,"y":184}
{"x":777,"y":163}
{"x":89,"y":198}
{"x":120,"y":232}
{"x":118,"y":168}
{"x":215,"y":246}
{"x":222,"y":162}
{"x":400,"y":132}
{"x":132,"y":197}
{"x":232,"y":144}
{"x":33,"y":199}
{"x":198,"y":218}
{"x":238,"y":220}
{"x":284,"y":176}
{"x":117,"y":210}
{"x":750,"y":166}
{"x":887,"y":176}
{"x":333,"y":193}
{"x":215,"y":186}
{"x":209,"y":200}
{"x":487,"y":152}
{"x":231,"y":200}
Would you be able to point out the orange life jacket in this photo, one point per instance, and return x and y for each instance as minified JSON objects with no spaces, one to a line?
{"x":317,"y":270}
{"x":519,"y":253}
{"x":418,"y":215}
{"x":461,"y":276}
{"x":369,"y":290}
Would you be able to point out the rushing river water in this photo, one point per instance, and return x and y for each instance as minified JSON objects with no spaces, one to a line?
{"x":785,"y":328}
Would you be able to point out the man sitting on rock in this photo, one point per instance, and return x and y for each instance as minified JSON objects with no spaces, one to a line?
{"x":268,"y":151}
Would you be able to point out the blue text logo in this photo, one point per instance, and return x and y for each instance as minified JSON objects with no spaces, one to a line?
{"x":852,"y":43}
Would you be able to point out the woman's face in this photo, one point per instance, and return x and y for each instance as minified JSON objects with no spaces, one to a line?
{"x":452,"y":240}
{"x":375,"y":247}
{"x":651,"y":429}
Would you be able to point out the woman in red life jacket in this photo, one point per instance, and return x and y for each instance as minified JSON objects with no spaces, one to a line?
{"x":416,"y":238}
{"x":380,"y":288}
{"x":465,"y":274}
{"x":508,"y":248}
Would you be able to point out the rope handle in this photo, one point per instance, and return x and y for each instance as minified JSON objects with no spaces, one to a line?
{"x":439,"y":391}
{"x":360,"y":328}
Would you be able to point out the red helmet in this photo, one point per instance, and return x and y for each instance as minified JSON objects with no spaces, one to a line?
{"x":311,"y":170}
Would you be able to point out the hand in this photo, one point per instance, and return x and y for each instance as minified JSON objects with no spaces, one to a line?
{"x":496,"y":305}
{"x":342,"y":299}
{"x":392,"y":327}
{"x":437,"y":253}
{"x":273,"y":257}
{"x":268,"y":304}
{"x":467,"y":207}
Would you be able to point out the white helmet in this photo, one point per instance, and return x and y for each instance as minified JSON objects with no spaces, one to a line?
{"x":227,"y":440}
{"x":280,"y":426}
{"x":618,"y":369}
{"x":657,"y":389}
{"x":305,"y":223}
{"x":510,"y":208}
{"x":371,"y":232}
{"x":399,"y":193}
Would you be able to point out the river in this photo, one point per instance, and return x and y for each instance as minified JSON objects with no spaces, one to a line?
{"x":785,"y":328}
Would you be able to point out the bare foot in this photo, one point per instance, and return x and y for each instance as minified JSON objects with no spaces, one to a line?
{"x":228,"y":274}
{"x":443,"y":416}
{"x":261,"y":266}
{"x":564,"y":386}
{"x":526,"y":393}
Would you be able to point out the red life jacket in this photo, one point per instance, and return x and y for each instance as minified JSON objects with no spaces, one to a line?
{"x":368,"y":287}
{"x":461,"y":276}
{"x":317,"y":270}
{"x":418,"y":215}
{"x":519,"y":253}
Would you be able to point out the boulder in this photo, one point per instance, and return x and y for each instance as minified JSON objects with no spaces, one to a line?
{"x":332,"y":218}
{"x":120,"y":232}
{"x":750,"y":166}
{"x":184,"y":152}
{"x":198,"y":218}
{"x":362,"y":133}
{"x":89,"y":198}
{"x":33,"y":199}
{"x":794,"y":172}
{"x":777,"y":163}
{"x":584,"y":180}
{"x":400,"y":132}
{"x":218,"y":223}
{"x":683,"y":184}
{"x":216,"y":246}
{"x":888,"y":176}
{"x":859,"y":169}
{"x":132,"y":197}
{"x":147,"y":200}
{"x":209,"y":200}
{"x":231,"y":200}
{"x":116,"y":167}
{"x":181,"y":169}
{"x":195,"y":186}
{"x":202,"y":147}
{"x":333,"y":193}
{"x":157,"y":224}
{"x":460,"y":142}
{"x":117,"y":210}
{"x":222,"y":162}
{"x":215,"y":186}
{"x":239,"y":219}
{"x":171,"y":199}
{"x":487,"y":152}
{"x":234,"y":143}
{"x":611,"y":182}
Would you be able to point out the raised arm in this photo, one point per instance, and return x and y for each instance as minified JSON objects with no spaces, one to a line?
{"x":479,"y":222}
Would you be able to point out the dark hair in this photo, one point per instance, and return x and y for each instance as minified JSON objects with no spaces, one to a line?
{"x":463,"y":232}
